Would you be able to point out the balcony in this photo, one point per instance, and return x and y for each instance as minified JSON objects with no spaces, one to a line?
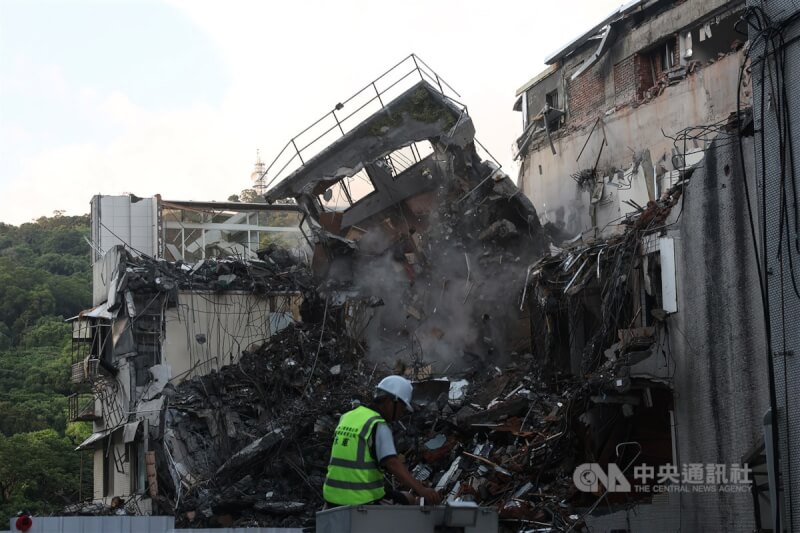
{"x":85,"y":371}
{"x":81,"y":408}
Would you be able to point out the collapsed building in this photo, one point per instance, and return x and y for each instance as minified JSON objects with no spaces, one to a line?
{"x":638,"y":142}
{"x":599,"y":313}
{"x":179,"y":290}
{"x":429,"y":239}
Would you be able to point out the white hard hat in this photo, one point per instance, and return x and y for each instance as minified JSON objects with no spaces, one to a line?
{"x":398,"y":387}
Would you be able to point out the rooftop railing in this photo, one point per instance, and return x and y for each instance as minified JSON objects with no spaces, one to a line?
{"x":346,"y":115}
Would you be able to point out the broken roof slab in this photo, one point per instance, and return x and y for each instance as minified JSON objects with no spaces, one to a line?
{"x":418,"y":114}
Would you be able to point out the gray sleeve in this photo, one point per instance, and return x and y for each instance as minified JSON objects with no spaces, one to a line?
{"x":384,"y":442}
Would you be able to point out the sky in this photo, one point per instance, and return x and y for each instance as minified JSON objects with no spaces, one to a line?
{"x":174,"y":97}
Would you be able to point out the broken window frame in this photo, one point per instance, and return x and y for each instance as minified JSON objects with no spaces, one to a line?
{"x":136,"y":462}
{"x":552,"y":101}
{"x":189,"y":230}
{"x":344,"y":188}
{"x":400,"y":161}
{"x":658,"y":257}
{"x":657,"y":60}
{"x":108,"y":467}
{"x":396,"y":162}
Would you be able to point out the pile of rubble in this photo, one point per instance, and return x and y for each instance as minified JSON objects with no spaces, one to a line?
{"x":276,"y":269}
{"x":249,"y":445}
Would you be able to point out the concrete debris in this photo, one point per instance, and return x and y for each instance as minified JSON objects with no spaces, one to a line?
{"x":515,"y":456}
{"x":257,"y":276}
{"x":90,"y":509}
{"x":500,"y":230}
{"x":282,"y":403}
{"x":249,"y":454}
{"x":457,"y":390}
{"x":436,"y":442}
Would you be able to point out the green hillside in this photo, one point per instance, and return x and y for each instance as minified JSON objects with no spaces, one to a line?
{"x":44,"y":278}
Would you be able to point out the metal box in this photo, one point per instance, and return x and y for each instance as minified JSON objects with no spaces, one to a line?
{"x":459,"y":517}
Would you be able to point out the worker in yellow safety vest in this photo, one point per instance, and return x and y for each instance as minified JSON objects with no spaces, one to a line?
{"x":363,"y":447}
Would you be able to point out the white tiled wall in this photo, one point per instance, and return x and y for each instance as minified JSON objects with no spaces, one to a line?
{"x":128,"y":223}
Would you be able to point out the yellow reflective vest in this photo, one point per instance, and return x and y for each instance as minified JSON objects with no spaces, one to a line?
{"x":353,"y":474}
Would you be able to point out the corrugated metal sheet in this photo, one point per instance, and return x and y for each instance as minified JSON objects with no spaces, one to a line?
{"x":128,"y":524}
{"x":93,"y":438}
{"x":243,"y":530}
{"x":101,"y":524}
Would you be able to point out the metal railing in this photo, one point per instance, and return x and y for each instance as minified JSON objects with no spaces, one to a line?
{"x":370,"y":99}
{"x":81,"y":408}
{"x":406,"y":157}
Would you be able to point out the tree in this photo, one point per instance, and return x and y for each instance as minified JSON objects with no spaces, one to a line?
{"x":45,"y":277}
{"x":248,"y":196}
{"x":39,"y":471}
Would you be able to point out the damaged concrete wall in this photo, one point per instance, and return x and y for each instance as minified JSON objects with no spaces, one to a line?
{"x":103,"y":271}
{"x":419,"y":113}
{"x":161,"y":322}
{"x":643,"y":29}
{"x":714,"y":348}
{"x":617,"y":104}
{"x":719,"y":334}
{"x":206,"y":330}
{"x":705,"y":97}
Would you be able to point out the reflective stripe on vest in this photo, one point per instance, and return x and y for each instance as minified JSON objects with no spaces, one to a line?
{"x":353,"y":474}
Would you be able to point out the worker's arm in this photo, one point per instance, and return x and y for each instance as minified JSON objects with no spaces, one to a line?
{"x":395,"y":466}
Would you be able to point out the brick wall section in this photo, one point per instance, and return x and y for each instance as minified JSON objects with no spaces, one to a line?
{"x":644,"y":74}
{"x":587,"y":96}
{"x":625,"y":81}
{"x":633,"y":76}
{"x":645,"y":68}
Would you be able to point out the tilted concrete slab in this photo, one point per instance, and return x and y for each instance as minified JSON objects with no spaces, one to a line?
{"x":419,"y":114}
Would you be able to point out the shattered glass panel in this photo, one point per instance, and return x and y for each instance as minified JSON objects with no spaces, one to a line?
{"x":193,"y":245}
{"x":168,"y":214}
{"x":347,"y":191}
{"x":261,"y":240}
{"x":189,"y":215}
{"x":173,"y":244}
{"x":192,"y":234}
{"x":226,"y":217}
{"x":404,"y":158}
{"x":275,"y":219}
